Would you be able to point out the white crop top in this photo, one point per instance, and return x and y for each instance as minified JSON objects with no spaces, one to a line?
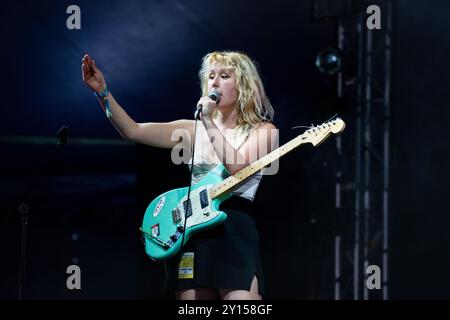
{"x":205,"y":159}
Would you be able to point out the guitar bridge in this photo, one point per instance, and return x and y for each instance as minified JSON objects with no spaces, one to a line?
{"x":176,"y":216}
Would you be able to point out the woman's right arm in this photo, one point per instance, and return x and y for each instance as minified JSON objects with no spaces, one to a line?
{"x":151,"y":133}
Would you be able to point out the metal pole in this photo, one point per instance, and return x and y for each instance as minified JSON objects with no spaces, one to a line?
{"x":367,"y":142}
{"x":387,"y":115}
{"x":356,"y":222}
{"x":337,"y":239}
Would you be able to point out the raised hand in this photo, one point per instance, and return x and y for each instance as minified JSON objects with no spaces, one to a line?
{"x":92,"y":76}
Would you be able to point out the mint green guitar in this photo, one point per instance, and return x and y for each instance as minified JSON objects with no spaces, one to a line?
{"x":164,"y":218}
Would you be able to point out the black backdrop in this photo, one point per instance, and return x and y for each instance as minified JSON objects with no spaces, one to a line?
{"x":87,"y":208}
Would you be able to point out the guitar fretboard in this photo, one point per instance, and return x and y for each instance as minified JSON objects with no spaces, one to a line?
{"x":253,"y":168}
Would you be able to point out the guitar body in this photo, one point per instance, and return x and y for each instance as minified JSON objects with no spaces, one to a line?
{"x":164,"y":218}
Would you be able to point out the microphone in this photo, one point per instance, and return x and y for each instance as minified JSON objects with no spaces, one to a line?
{"x":214,"y":95}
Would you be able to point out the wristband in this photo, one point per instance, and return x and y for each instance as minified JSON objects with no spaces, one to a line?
{"x":102,"y":96}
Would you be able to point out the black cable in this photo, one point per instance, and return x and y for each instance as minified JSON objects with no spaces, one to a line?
{"x":190,"y":183}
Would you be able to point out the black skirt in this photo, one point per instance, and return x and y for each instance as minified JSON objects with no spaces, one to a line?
{"x":225,"y":257}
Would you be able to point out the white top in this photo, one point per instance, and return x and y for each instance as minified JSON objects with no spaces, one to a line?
{"x":205,"y":159}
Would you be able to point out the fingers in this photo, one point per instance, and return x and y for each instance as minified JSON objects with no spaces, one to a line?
{"x":86,"y":67}
{"x":87,"y":62}
{"x":207,"y":105}
{"x":85,"y":59}
{"x":84,"y":62}
{"x":85,"y":70}
{"x":200,"y":103}
{"x":91,"y":67}
{"x":205,"y":100}
{"x":89,"y":70}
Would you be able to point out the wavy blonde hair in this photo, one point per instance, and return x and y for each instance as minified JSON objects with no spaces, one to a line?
{"x":254,"y":105}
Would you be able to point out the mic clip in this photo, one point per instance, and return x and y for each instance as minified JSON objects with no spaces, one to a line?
{"x":197,"y":112}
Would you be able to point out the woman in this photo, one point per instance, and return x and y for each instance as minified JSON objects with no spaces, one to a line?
{"x":223,"y":262}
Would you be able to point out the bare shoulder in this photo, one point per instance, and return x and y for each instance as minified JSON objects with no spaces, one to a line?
{"x":264,"y":133}
{"x":266,"y":126}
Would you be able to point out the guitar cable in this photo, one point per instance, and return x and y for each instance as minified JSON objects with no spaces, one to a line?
{"x":214,"y":95}
{"x":190,"y":181}
{"x":189,"y":191}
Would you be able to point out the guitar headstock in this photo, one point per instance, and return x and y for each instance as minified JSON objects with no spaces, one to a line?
{"x":316,"y":135}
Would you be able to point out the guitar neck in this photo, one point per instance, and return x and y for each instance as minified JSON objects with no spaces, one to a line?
{"x":230,"y":182}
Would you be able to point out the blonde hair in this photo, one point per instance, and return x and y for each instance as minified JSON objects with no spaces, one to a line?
{"x":254,"y":105}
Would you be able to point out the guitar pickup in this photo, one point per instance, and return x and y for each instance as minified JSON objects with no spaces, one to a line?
{"x":204,"y":198}
{"x":187,"y":208}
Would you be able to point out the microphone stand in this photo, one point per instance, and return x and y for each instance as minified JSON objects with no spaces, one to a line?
{"x":23,"y":209}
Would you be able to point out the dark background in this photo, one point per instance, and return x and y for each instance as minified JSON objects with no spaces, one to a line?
{"x":88,"y":205}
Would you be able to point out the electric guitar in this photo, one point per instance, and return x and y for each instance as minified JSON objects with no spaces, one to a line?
{"x":164,"y":219}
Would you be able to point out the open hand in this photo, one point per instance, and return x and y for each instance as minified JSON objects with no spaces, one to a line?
{"x":92,"y":76}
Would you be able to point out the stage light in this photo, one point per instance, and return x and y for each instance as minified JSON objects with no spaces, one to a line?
{"x":329,"y":61}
